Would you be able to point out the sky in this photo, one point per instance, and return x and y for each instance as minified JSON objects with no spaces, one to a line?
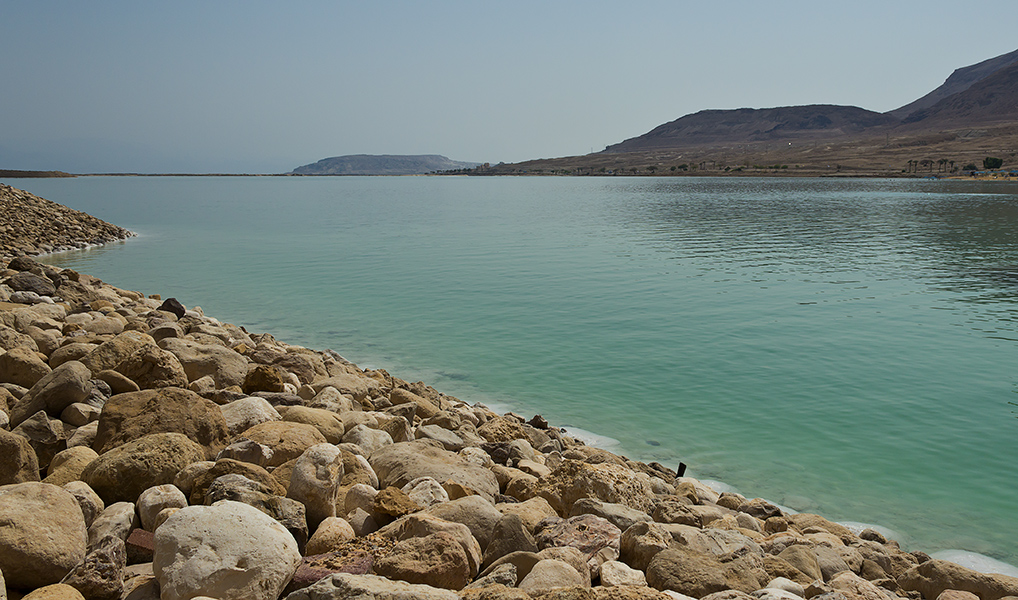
{"x":264,"y":87}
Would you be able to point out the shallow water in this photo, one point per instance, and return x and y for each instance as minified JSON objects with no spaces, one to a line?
{"x":846,"y":347}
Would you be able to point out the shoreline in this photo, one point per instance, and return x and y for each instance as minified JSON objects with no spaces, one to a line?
{"x":659,"y":493}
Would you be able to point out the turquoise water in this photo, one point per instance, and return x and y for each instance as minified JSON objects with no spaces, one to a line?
{"x":846,"y":347}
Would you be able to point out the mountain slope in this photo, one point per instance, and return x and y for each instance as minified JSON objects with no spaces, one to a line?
{"x":991,"y":99}
{"x":755,"y":125}
{"x":386,"y":164}
{"x":959,"y":81}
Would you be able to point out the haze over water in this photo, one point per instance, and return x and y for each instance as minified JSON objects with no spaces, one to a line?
{"x":845,"y":347}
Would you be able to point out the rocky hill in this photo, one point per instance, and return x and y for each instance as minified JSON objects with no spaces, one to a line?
{"x":959,"y":81}
{"x":386,"y":164}
{"x":991,"y":99}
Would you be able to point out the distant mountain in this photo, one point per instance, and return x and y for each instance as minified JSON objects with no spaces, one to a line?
{"x":386,"y":164}
{"x":755,"y":125}
{"x":959,"y":81}
{"x":993,"y":98}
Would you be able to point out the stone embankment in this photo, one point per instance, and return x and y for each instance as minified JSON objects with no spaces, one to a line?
{"x":33,"y":225}
{"x":150,"y":451}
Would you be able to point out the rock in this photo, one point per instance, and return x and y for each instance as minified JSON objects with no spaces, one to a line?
{"x":42,"y":534}
{"x":421,"y":525}
{"x":586,"y":533}
{"x":932,"y":577}
{"x":574,"y":480}
{"x":127,"y":417}
{"x":84,"y":435}
{"x":394,"y":503}
{"x":57,"y":591}
{"x":437,"y":560}
{"x":949,"y":594}
{"x":264,"y":378}
{"x":425,"y":492}
{"x":508,"y":536}
{"x":63,"y":386}
{"x":287,"y":440}
{"x":111,"y":353}
{"x":367,"y":438}
{"x":247,"y":451}
{"x":327,"y":423}
{"x":101,"y":575}
{"x":18,"y":462}
{"x":774,"y":594}
{"x":787,"y":585}
{"x":184,"y":481}
{"x":314,"y":568}
{"x":330,"y":399}
{"x":68,"y":464}
{"x":369,"y":587}
{"x":694,"y":574}
{"x":760,"y":509}
{"x":449,"y":440}
{"x":362,"y":522}
{"x":115,"y":520}
{"x":289,"y":512}
{"x":348,"y":384}
{"x":241,"y":415}
{"x":227,"y":466}
{"x":225,"y":366}
{"x":119,"y":384}
{"x":398,"y":464}
{"x":9,"y":338}
{"x":155,"y":499}
{"x":550,"y":574}
{"x":504,"y":574}
{"x":619,"y":515}
{"x":858,"y":588}
{"x":315,"y":480}
{"x":79,"y":414}
{"x":152,"y":367}
{"x":331,"y":534}
{"x":173,"y":306}
{"x":22,"y":366}
{"x":45,"y":435}
{"x":90,"y":503}
{"x":25,"y":281}
{"x":72,"y":351}
{"x":802,"y":558}
{"x":615,"y":573}
{"x":124,"y":472}
{"x":532,"y":511}
{"x":228,"y":551}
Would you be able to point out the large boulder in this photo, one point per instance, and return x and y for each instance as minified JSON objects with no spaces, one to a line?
{"x":326,"y":422}
{"x":22,"y":366}
{"x":398,"y":464}
{"x":111,"y":353}
{"x":228,"y":466}
{"x":350,"y":384}
{"x":574,"y":480}
{"x":68,"y":464}
{"x":437,"y":560}
{"x":934,"y":576}
{"x":127,"y":417}
{"x":287,"y":440}
{"x":369,"y":587}
{"x":18,"y":462}
{"x":152,"y":367}
{"x":243,"y":414}
{"x":228,"y":551}
{"x":696,"y":574}
{"x":473,"y":511}
{"x":63,"y":386}
{"x":226,"y":367}
{"x":123,"y":473}
{"x":42,"y":534}
{"x":314,"y":482}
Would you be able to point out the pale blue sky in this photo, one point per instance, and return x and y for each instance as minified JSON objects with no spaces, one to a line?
{"x":263,"y":87}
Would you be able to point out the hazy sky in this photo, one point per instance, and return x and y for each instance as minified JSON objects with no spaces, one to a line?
{"x":263,"y":87}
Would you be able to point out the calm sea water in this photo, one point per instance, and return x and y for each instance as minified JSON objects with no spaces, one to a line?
{"x":845,"y":347}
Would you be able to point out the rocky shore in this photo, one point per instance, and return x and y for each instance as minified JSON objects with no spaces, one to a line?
{"x":150,"y":451}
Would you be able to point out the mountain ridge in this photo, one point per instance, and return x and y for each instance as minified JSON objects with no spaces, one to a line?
{"x":382,"y":164}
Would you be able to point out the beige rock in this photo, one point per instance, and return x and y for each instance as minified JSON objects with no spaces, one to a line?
{"x":326,"y":422}
{"x":127,"y":417}
{"x":331,"y":534}
{"x":116,"y":520}
{"x":184,"y":481}
{"x":42,"y":534}
{"x":226,"y":466}
{"x":802,"y":558}
{"x":155,"y":499}
{"x":152,"y":367}
{"x":79,"y":414}
{"x":680,"y":569}
{"x":550,"y":574}
{"x":18,"y":462}
{"x":437,"y":560}
{"x":22,"y":366}
{"x":228,"y":551}
{"x":367,"y":438}
{"x":123,"y":473}
{"x":574,"y":480}
{"x":423,"y":525}
{"x":241,"y":415}
{"x":90,"y":503}
{"x":56,"y":591}
{"x":110,"y":354}
{"x":368,"y":587}
{"x":858,"y":588}
{"x":532,"y":511}
{"x":73,"y":351}
{"x":932,"y":577}
{"x":226,"y":367}
{"x":68,"y":464}
{"x":287,"y":440}
{"x":118,"y":383}
{"x":399,"y":464}
{"x":614,"y":573}
{"x":315,"y":481}
{"x":63,"y":386}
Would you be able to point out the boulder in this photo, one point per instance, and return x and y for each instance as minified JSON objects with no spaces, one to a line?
{"x":367,"y":438}
{"x":111,"y":353}
{"x":226,"y":466}
{"x":101,"y":575}
{"x":46,"y":436}
{"x":79,"y":414}
{"x":228,"y":551}
{"x":241,"y":415}
{"x":853,"y":586}
{"x":532,"y":511}
{"x":425,"y":492}
{"x":225,"y":366}
{"x":25,"y":281}
{"x":287,"y":440}
{"x":696,"y":574}
{"x":124,"y":472}
{"x":68,"y":464}
{"x":18,"y":462}
{"x":63,"y":386}
{"x":399,"y":464}
{"x":349,"y":384}
{"x":932,"y":577}
{"x":22,"y":366}
{"x":288,"y":512}
{"x":802,"y":558}
{"x":72,"y":351}
{"x":330,"y":535}
{"x":326,"y":422}
{"x":586,"y":533}
{"x":57,"y":591}
{"x":247,"y":451}
{"x":130,"y":416}
{"x":549,"y":574}
{"x":90,"y":503}
{"x":152,"y":367}
{"x":508,"y":536}
{"x":116,"y":520}
{"x":437,"y":560}
{"x":119,"y":384}
{"x":153,"y":500}
{"x":264,"y":378}
{"x":42,"y":534}
{"x":614,"y":573}
{"x":369,"y":587}
{"x":574,"y":480}
{"x":315,"y":480}
{"x":618,"y":514}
